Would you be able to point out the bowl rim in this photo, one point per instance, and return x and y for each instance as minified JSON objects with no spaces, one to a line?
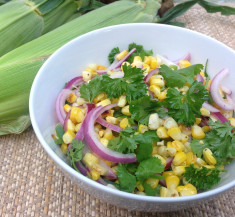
{"x":74,"y":173}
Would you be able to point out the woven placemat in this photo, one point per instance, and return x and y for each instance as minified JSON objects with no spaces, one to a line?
{"x":31,"y":184}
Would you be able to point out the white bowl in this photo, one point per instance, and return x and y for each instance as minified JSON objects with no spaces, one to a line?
{"x":70,"y":60}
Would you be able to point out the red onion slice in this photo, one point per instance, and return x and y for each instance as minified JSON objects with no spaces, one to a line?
{"x":150,"y":74}
{"x":168,"y":163}
{"x":209,"y":107}
{"x":81,"y":168}
{"x":214,"y":89}
{"x":220,"y":117}
{"x":200,"y":78}
{"x":108,"y":125}
{"x":166,"y":61}
{"x":226,"y":90}
{"x":162,"y":183}
{"x":187,"y":56}
{"x":75,"y":82}
{"x":230,"y":100}
{"x":96,"y":146}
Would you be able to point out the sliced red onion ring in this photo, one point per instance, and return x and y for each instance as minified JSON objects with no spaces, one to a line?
{"x":230,"y":100}
{"x":150,"y":74}
{"x":200,"y":78}
{"x":96,"y":146}
{"x":81,"y":168}
{"x":168,"y":163}
{"x":214,"y":89}
{"x":162,"y":183}
{"x":226,"y":90}
{"x":220,"y":117}
{"x":108,"y":125}
{"x":187,"y":56}
{"x":75,"y":82}
{"x":209,"y":107}
{"x":166,"y":61}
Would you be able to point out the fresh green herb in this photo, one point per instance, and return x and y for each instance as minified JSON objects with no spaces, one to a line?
{"x":74,"y":152}
{"x":59,"y":134}
{"x":178,"y":78}
{"x":142,"y":108}
{"x":112,"y":54}
{"x":198,"y":146}
{"x":151,"y":191}
{"x":205,"y":71}
{"x":202,"y":179}
{"x":140,"y":51}
{"x":127,"y":181}
{"x":185,"y":108}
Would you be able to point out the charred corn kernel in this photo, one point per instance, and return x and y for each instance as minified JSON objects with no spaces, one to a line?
{"x":171,"y":151}
{"x":190,"y":158}
{"x":99,"y":67}
{"x":108,"y":134}
{"x":124,"y":63}
{"x":90,"y":160}
{"x":161,"y":150}
{"x":179,"y":159}
{"x":121,"y":55}
{"x":163,"y":161}
{"x":155,"y":89}
{"x":184,"y":138}
{"x":154,"y":150}
{"x":153,"y":121}
{"x":101,"y":170}
{"x":232,"y":121}
{"x":104,"y":141}
{"x":167,"y":173}
{"x":76,"y":115}
{"x":174,"y":133}
{"x":72,"y":98}
{"x":209,"y":158}
{"x":188,"y":190}
{"x":100,"y":97}
{"x":80,"y":101}
{"x":162,"y":95}
{"x":197,"y":132}
{"x":104,"y":102}
{"x":147,"y":60}
{"x":205,"y":112}
{"x":67,"y":108}
{"x":163,"y":192}
{"x":157,"y":82}
{"x":206,"y":129}
{"x":63,"y":148}
{"x":77,"y":127}
{"x":124,"y":123}
{"x":152,"y":182}
{"x":209,"y":166}
{"x":162,"y":133}
{"x":200,"y":162}
{"x":198,"y":121}
{"x":139,"y":186}
{"x":126,"y":111}
{"x":70,"y":125}
{"x":142,"y":128}
{"x":172,"y":193}
{"x":184,"y":63}
{"x":177,"y":145}
{"x":146,"y":68}
{"x":86,"y":76}
{"x":137,"y":58}
{"x":169,"y":123}
{"x":112,"y":120}
{"x":172,"y":181}
{"x":101,"y":133}
{"x":68,"y":136}
{"x":179,"y":170}
{"x":186,"y":130}
{"x":153,"y":63}
{"x":122,"y":101}
{"x":94,"y":174}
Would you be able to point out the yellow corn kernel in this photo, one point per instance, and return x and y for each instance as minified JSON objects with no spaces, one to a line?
{"x":109,"y":163}
{"x":126,"y":111}
{"x":163,"y":192}
{"x":179,"y":159}
{"x":72,"y":98}
{"x":153,"y":63}
{"x":232,"y":121}
{"x":90,"y":159}
{"x":90,"y":70}
{"x":178,"y":145}
{"x":63,"y":148}
{"x":190,"y":158}
{"x":184,"y":63}
{"x":198,"y":120}
{"x":172,"y":193}
{"x":206,"y":129}
{"x":146,"y":68}
{"x":179,"y":170}
{"x":155,"y":89}
{"x":68,"y":136}
{"x":76,"y":115}
{"x":167,"y":173}
{"x":161,"y":150}
{"x":104,"y":141}
{"x":67,"y":108}
{"x":172,"y":181}
{"x":152,"y":182}
{"x":101,"y":133}
{"x":100,"y":169}
{"x":205,"y":112}
{"x":187,"y":147}
{"x":70,"y":125}
{"x":122,"y":55}
{"x":139,"y":186}
{"x":209,"y":158}
{"x":180,"y":188}
{"x":184,"y":89}
{"x":160,"y":143}
{"x":137,"y":58}
{"x":154,"y":150}
{"x":174,"y":133}
{"x":103,"y":103}
{"x":163,"y":161}
{"x":154,"y":122}
{"x":99,"y":67}
{"x":86,"y":75}
{"x":100,"y":97}
{"x":122,"y":101}
{"x":210,"y":166}
{"x":162,"y":95}
{"x":124,"y":123}
{"x":93,"y":66}
{"x":147,"y":60}
{"x":171,"y":151}
{"x":124,"y":63}
{"x":187,"y":190}
{"x":162,"y":133}
{"x":112,"y":120}
{"x":208,"y":85}
{"x":108,"y":134}
{"x":184,"y":138}
{"x":197,"y":132}
{"x":200,"y":162}
{"x":94,"y":174}
{"x":143,"y":128}
{"x":80,"y":101}
{"x":157,"y":82}
{"x":169,"y":123}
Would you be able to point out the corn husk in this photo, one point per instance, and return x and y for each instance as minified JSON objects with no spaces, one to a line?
{"x":19,"y":67}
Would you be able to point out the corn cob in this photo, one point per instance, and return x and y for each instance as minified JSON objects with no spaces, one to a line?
{"x":23,"y":20}
{"x":19,"y":67}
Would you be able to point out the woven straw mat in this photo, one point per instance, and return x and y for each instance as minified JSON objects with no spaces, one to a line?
{"x":31,"y":185}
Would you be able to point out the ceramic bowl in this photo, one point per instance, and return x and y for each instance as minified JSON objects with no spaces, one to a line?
{"x":71,"y":59}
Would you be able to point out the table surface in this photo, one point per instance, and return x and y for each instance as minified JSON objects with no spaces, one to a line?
{"x":31,"y":184}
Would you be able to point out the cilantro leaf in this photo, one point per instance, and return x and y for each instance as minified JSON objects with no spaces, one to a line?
{"x":178,"y":78}
{"x":140,"y":51}
{"x":185,"y":108}
{"x":202,"y":179}
{"x":127,"y":181}
{"x":151,"y":191}
{"x":90,"y":90}
{"x":58,"y":139}
{"x":197,"y":147}
{"x":149,"y":169}
{"x":142,"y":108}
{"x":74,"y":152}
{"x":112,"y":54}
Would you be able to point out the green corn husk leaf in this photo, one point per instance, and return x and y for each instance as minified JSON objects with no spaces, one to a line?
{"x":22,"y":21}
{"x":19,"y":67}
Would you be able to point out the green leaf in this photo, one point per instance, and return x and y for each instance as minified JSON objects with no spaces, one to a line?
{"x":126,"y":180}
{"x":59,"y":134}
{"x":112,"y":54}
{"x":140,"y":51}
{"x":151,"y":191}
{"x":197,"y":147}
